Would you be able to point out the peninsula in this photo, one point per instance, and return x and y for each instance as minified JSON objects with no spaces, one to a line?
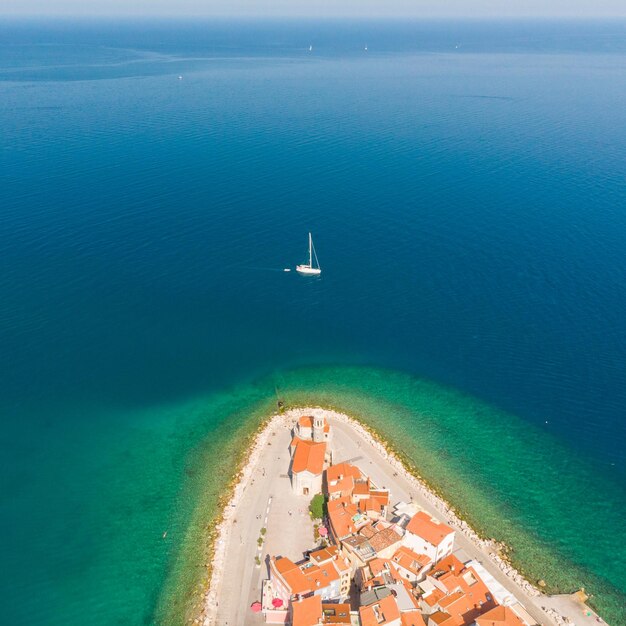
{"x":326,"y":526}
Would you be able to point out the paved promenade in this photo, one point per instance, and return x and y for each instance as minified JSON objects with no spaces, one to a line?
{"x":268,"y":502}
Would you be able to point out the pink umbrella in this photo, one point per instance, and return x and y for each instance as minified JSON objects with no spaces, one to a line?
{"x":322,"y":531}
{"x":256,"y":606}
{"x":277,"y":603}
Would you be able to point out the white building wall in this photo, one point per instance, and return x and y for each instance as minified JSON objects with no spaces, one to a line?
{"x":421,"y":546}
{"x":305,"y":483}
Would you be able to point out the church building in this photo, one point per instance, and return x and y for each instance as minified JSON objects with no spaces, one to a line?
{"x":309,"y":454}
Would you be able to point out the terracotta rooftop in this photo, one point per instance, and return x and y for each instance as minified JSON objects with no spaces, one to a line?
{"x":372,"y":504}
{"x":422,"y":525}
{"x":341,"y":470}
{"x":362,"y":487}
{"x":409,"y":560}
{"x":341,"y":515}
{"x":442,"y":618}
{"x":324,"y":554}
{"x":451,"y":599}
{"x":380,"y":494}
{"x":378,"y":565}
{"x":292,"y":575}
{"x":307,"y":612}
{"x":460,"y":594}
{"x":319,"y":576}
{"x":450,"y":564}
{"x":343,"y":486}
{"x":368,"y":531}
{"x":412,"y":618}
{"x":432,"y":598}
{"x":384,"y":539}
{"x":306,"y":421}
{"x":331,"y":553}
{"x":499,"y":616}
{"x":336,"y":613}
{"x":340,"y":478}
{"x":381,"y":612}
{"x":308,"y":457}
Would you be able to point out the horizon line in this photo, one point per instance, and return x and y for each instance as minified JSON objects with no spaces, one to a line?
{"x":365,"y":18}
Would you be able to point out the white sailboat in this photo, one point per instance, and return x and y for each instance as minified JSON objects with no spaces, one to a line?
{"x":309,"y":268}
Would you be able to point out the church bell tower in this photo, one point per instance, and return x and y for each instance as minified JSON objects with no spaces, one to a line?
{"x":318,"y":429}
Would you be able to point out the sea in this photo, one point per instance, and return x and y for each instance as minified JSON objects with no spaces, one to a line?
{"x":465,"y":186}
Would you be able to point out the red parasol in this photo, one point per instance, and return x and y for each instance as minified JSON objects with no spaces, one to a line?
{"x":277,"y":603}
{"x":322,"y":531}
{"x":256,"y":606}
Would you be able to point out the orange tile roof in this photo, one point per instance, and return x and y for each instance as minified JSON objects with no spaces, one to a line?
{"x":384,"y":539}
{"x":372,"y":504}
{"x":308,"y":457}
{"x":423,"y":526}
{"x":409,"y":560}
{"x":340,"y":514}
{"x":432,"y":598}
{"x":368,"y":531}
{"x":306,"y":421}
{"x":338,"y":503}
{"x":450,"y":564}
{"x":380,"y":612}
{"x":441,"y":618}
{"x":412,"y":618}
{"x":378,"y":566}
{"x":362,"y":487}
{"x":283,"y":564}
{"x":381,"y":495}
{"x":319,"y":576}
{"x":452,"y":574}
{"x":467,"y":595}
{"x":343,"y":486}
{"x":342,"y":470}
{"x":330,"y":553}
{"x":499,"y":616}
{"x":307,"y":612}
{"x":451,"y":599}
{"x":292,"y":575}
{"x":336,"y":613}
{"x":324,"y":554}
{"x":343,"y":565}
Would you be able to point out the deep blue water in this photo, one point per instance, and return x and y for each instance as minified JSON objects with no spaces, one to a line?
{"x":465,"y":184}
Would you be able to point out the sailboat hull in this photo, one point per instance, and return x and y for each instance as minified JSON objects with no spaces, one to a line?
{"x":307,"y":270}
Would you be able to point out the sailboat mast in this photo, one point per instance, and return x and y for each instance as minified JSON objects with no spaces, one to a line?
{"x":310,"y":250}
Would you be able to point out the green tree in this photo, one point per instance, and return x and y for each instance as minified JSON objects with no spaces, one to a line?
{"x":318,"y":506}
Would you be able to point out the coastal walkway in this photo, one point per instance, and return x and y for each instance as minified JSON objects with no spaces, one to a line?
{"x":267,"y":502}
{"x":290,"y":532}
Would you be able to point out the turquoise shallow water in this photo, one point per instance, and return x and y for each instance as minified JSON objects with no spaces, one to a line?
{"x":466,"y":204}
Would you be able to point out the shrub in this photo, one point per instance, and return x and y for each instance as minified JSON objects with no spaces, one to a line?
{"x":317,"y":508}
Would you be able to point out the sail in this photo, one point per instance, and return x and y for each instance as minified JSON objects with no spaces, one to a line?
{"x":317,"y":263}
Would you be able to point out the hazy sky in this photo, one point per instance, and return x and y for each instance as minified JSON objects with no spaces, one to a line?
{"x":321,"y":8}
